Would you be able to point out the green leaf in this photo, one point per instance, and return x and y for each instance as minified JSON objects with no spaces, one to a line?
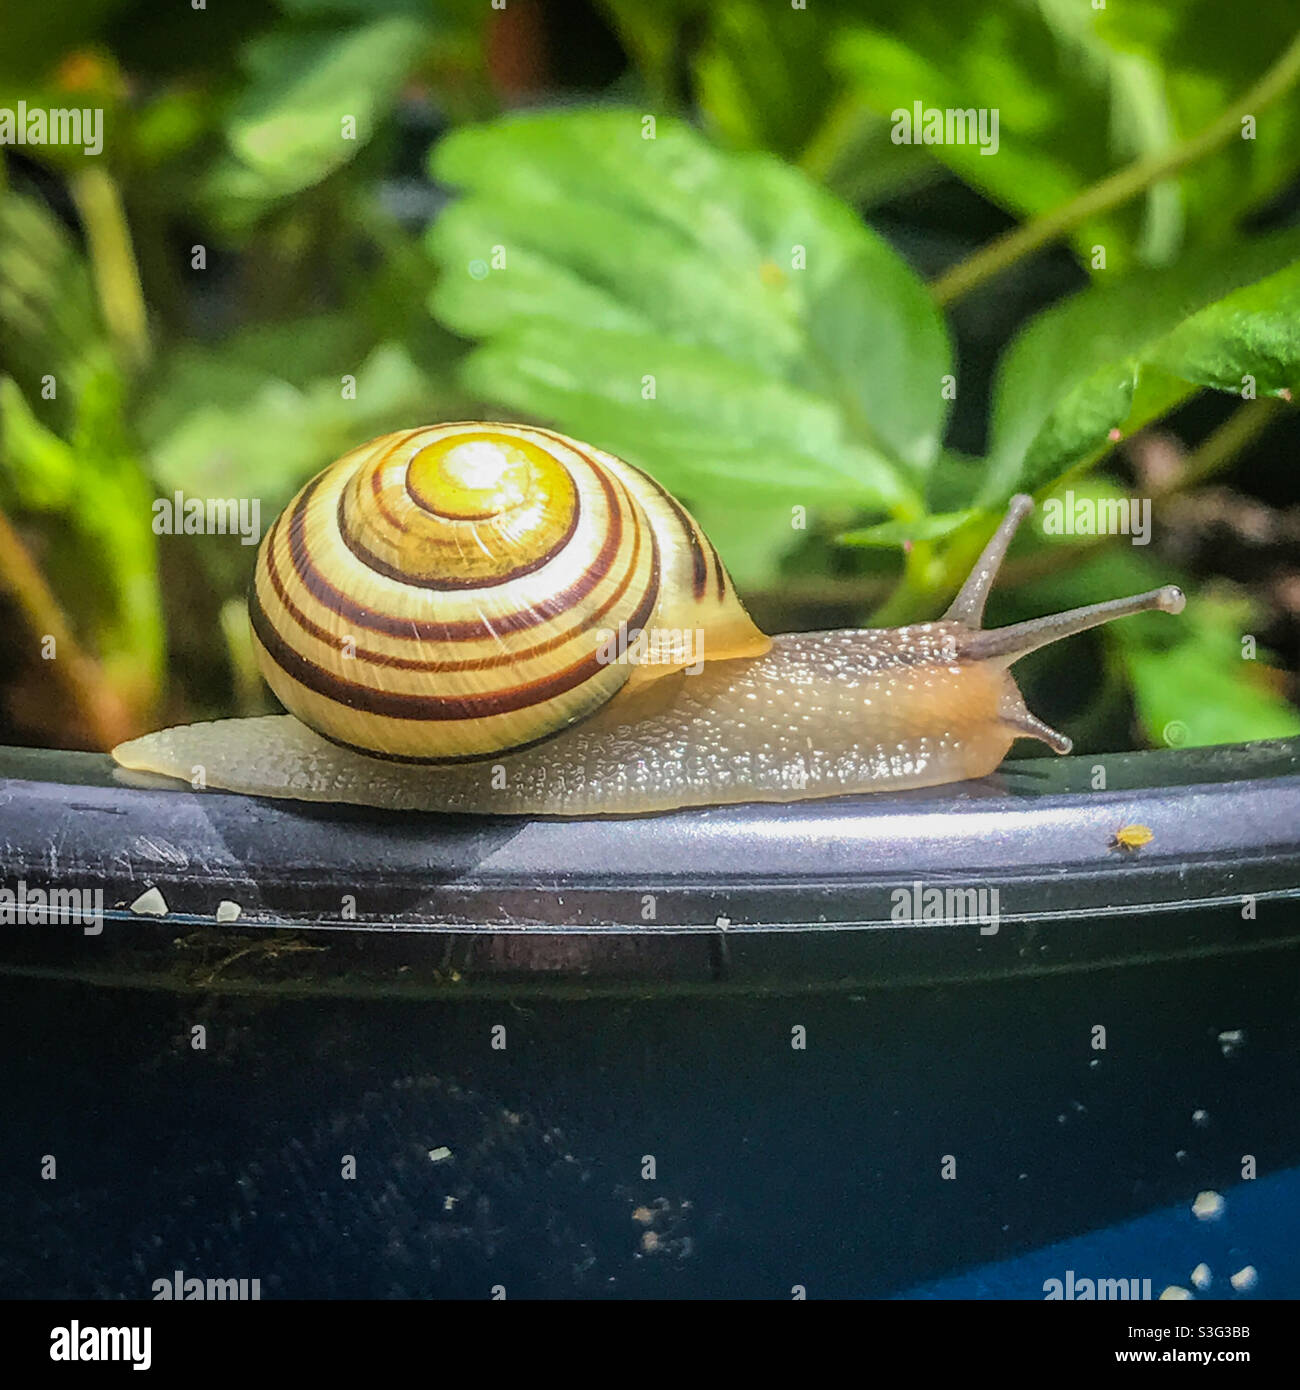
{"x":93,"y":490}
{"x":1069,"y":108}
{"x":895,"y":534}
{"x":647,"y":295}
{"x":712,"y":426}
{"x":112,"y":522}
{"x":1194,"y":687}
{"x":1071,"y":375}
{"x":37,"y":469}
{"x":264,"y":442}
{"x":1255,"y":330}
{"x":1189,"y":678}
{"x":255,"y":434}
{"x":953,"y":481}
{"x":296,"y":352}
{"x":287,"y":128}
{"x":651,"y":36}
{"x":73,"y":462}
{"x":761,"y":76}
{"x":164,"y":128}
{"x":51,"y":333}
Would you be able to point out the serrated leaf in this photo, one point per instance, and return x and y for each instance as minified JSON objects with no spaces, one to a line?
{"x":759,"y":433}
{"x":1256,"y":330}
{"x":650,"y":301}
{"x":1070,"y":376}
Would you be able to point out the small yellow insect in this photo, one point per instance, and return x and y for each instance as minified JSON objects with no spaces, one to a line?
{"x":1130,"y":838}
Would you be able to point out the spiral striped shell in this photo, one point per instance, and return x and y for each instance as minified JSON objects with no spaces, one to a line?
{"x":449,"y":592}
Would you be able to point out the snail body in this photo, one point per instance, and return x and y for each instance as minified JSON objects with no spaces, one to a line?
{"x":485,"y":618}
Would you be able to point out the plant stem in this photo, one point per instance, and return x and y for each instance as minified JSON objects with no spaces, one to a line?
{"x":117,"y":277}
{"x":944,"y":574}
{"x":828,"y":142}
{"x":1118,"y":188}
{"x":921,"y":579}
{"x":106,"y":716}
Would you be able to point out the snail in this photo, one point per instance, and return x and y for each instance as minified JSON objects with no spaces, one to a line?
{"x":494,"y":618}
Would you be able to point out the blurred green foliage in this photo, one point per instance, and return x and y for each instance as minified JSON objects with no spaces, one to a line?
{"x":319,"y":220}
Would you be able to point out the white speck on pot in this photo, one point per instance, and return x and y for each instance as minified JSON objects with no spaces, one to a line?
{"x":1200,"y":1118}
{"x":1231,"y":1041}
{"x":150,"y":903}
{"x":1175,"y":1292}
{"x":1208,"y":1206}
{"x":1245,"y":1279}
{"x":439,"y":1155}
{"x":228,"y":911}
{"x":1201,"y":1276}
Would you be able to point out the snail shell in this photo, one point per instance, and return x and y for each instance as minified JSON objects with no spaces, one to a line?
{"x":451,"y":592}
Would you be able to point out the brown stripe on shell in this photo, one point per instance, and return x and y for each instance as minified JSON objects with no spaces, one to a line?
{"x":333,"y":598}
{"x":718,"y":569}
{"x":389,"y":662}
{"x":377,"y":497}
{"x":397,"y":705}
{"x":699,"y":564}
{"x":372,"y":561}
{"x":377,"y":473}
